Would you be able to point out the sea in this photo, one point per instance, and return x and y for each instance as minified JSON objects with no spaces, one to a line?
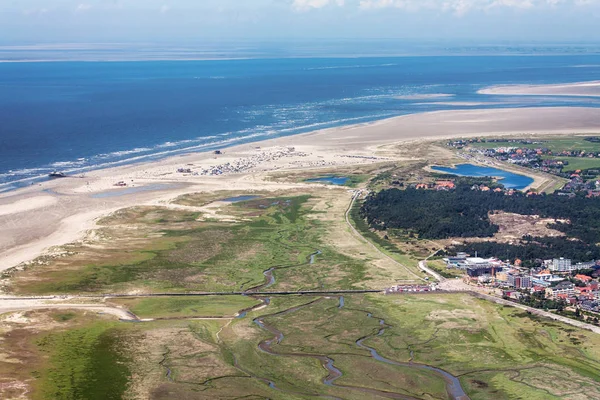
{"x":77,"y":116}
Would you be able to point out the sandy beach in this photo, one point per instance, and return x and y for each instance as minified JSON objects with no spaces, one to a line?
{"x":36,"y":218}
{"x":568,"y":89}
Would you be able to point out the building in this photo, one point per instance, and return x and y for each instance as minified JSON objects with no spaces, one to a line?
{"x":545,"y":278}
{"x":476,"y":271}
{"x":585,"y":265}
{"x":519,"y":281}
{"x":561,"y":265}
{"x":453,"y":262}
{"x":583,"y":278}
{"x":562,"y":289}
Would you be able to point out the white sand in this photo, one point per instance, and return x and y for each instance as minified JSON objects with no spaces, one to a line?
{"x":28,"y":204}
{"x":591,"y":88}
{"x":30,"y":224}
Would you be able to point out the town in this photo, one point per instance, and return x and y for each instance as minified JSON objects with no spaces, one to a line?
{"x":565,"y":283}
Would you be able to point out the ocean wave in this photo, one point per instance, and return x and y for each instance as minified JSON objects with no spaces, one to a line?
{"x":124,"y":152}
{"x":68,"y":164}
{"x":172,"y":148}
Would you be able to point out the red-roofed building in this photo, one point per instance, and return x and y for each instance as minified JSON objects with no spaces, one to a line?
{"x":583,"y":278}
{"x":444,"y":185}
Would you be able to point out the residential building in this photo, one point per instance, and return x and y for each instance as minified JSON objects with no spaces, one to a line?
{"x":583,"y":278}
{"x":562,"y":289}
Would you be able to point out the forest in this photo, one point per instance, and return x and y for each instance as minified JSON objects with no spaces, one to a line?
{"x":463,"y":213}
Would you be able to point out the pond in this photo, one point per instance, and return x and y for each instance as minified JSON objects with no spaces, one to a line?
{"x":333,"y":180}
{"x":240,"y":199}
{"x":508,"y":179}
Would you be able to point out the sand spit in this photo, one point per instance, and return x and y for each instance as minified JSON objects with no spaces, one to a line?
{"x":36,"y":218}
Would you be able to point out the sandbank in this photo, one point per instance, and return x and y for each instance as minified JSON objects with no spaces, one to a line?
{"x":588,"y":89}
{"x":30,"y":224}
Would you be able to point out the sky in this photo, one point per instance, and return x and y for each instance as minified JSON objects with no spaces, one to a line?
{"x":43,"y":21}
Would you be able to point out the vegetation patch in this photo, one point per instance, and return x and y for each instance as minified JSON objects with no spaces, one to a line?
{"x":83,"y":363}
{"x":177,"y":307}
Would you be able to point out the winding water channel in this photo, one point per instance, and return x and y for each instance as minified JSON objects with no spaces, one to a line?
{"x":453,"y":386}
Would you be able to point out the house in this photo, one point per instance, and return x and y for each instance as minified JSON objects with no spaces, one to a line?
{"x":583,"y":278}
{"x":444,"y":185}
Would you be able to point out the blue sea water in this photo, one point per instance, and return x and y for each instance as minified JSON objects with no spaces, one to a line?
{"x":77,"y":116}
{"x":506,"y":178}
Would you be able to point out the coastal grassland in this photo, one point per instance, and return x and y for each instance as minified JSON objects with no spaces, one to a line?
{"x":180,"y":307}
{"x":439,"y":266}
{"x":496,"y":351}
{"x":85,"y":362}
{"x":408,"y":259}
{"x":156,"y":249}
{"x":61,"y":355}
{"x":575,"y":163}
{"x":492,"y":348}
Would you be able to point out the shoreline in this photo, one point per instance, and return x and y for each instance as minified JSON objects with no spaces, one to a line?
{"x":248,"y":168}
{"x":157,"y":153}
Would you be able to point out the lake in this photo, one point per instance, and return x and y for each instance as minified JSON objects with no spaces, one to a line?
{"x":508,"y":179}
{"x":334,"y":180}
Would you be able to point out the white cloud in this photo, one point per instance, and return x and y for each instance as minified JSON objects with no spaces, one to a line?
{"x":461,"y":7}
{"x":165,"y":9}
{"x":305,"y":5}
{"x":83,"y":7}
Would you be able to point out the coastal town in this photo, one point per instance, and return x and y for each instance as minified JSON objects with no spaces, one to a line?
{"x":579,"y":167}
{"x":566,"y":283}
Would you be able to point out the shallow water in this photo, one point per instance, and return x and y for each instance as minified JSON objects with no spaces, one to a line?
{"x":334,"y":180}
{"x":131,"y":190}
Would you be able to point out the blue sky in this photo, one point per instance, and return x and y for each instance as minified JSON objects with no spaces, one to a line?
{"x":183,"y":20}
